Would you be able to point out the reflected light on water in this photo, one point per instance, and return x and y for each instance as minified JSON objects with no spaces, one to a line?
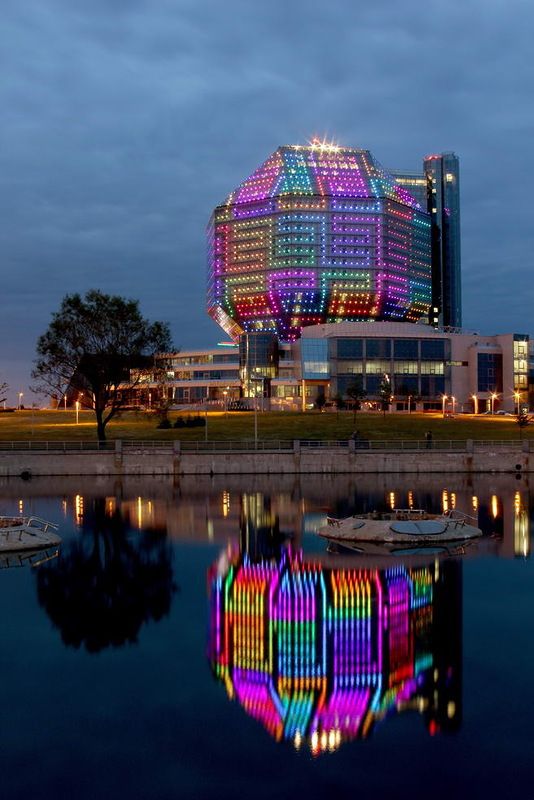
{"x":494,"y":506}
{"x":445,"y":500}
{"x":78,"y":509}
{"x":521,"y":528}
{"x":225,"y":503}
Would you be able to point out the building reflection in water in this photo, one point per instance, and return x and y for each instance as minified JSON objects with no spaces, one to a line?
{"x":320,"y":654}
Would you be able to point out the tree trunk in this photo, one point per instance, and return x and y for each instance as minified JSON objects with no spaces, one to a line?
{"x":100,"y":426}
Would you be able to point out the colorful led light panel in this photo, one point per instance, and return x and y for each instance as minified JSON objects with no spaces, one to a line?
{"x":317,"y":235}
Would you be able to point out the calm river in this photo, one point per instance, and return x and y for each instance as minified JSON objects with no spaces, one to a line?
{"x":197,"y":640}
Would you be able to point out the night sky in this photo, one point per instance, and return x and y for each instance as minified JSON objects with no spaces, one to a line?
{"x":124,"y":122}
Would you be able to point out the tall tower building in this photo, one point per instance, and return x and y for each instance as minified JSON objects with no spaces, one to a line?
{"x":437,"y":189}
{"x":318,"y":233}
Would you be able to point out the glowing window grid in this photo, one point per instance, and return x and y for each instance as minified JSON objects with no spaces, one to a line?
{"x":315,"y":236}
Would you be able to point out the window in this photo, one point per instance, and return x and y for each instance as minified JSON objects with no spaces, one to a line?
{"x":377,"y":367}
{"x":406,"y":367}
{"x":378,"y":348}
{"x":349,"y":348}
{"x":432,"y":368}
{"x":405,"y":348}
{"x":489,"y":367}
{"x":433,"y":349}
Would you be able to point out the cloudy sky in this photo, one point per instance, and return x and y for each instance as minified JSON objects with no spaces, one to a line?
{"x":124,"y":122}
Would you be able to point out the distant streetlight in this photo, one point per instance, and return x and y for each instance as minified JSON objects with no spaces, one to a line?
{"x":77,"y":404}
{"x":475,"y":402}
{"x":21,"y":395}
{"x":225,"y":395}
{"x":517,"y":396}
{"x":443,"y":401}
{"x":493,"y":398}
{"x":453,"y":405}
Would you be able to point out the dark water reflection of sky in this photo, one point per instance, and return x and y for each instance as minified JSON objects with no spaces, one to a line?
{"x":196,"y":640}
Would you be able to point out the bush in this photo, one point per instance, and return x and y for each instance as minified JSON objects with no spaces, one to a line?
{"x":164,"y":424}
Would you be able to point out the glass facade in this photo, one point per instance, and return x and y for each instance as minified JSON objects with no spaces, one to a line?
{"x":443,"y":177}
{"x":258,"y":363}
{"x":314,"y":358}
{"x":317,"y":234}
{"x":521,"y":363}
{"x":489,"y":372}
{"x":414,"y":366}
{"x":437,"y":188}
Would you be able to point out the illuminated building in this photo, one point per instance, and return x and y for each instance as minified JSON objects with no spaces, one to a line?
{"x":317,"y":233}
{"x":437,"y":189}
{"x":320,"y":655}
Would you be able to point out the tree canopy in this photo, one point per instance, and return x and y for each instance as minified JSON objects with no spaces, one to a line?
{"x":92,"y":344}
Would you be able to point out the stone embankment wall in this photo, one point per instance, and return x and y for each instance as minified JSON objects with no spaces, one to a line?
{"x":147,"y":460}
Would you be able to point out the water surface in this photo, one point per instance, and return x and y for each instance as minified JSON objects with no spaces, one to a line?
{"x":197,"y":640}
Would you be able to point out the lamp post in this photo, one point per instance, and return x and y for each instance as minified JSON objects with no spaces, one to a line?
{"x":21,"y":395}
{"x":225,"y":395}
{"x":453,"y":405}
{"x":493,"y":397}
{"x":77,"y":404}
{"x":443,"y":401}
{"x":517,"y":396}
{"x":475,"y":403}
{"x":256,"y":378}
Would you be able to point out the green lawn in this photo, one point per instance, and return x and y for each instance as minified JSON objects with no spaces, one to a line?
{"x":61,"y":425}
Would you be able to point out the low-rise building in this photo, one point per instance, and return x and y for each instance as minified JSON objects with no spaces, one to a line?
{"x":424,"y":367}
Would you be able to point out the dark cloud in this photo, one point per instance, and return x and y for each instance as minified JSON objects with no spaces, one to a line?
{"x":125,"y":123}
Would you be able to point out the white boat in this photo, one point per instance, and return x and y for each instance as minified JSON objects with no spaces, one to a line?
{"x":27,"y":533}
{"x":402,"y":527}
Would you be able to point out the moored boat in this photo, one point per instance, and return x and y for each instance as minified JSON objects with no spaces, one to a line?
{"x":27,"y":533}
{"x":402,"y":527}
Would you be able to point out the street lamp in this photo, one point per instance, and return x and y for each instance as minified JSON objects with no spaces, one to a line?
{"x":77,"y":404}
{"x":493,"y":398}
{"x":453,"y":405}
{"x":443,"y":401}
{"x":225,"y":395}
{"x":256,"y":378}
{"x":517,"y":396}
{"x":475,"y":402}
{"x":21,"y":395}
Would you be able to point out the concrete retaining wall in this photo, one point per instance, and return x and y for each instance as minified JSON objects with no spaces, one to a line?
{"x":323,"y":461}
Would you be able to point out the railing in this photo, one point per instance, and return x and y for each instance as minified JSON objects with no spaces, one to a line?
{"x":359,"y":446}
{"x":54,"y":447}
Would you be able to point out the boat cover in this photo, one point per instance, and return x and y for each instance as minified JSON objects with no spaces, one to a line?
{"x":425,"y":527}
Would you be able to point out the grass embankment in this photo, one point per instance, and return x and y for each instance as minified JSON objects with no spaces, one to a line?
{"x":61,"y":425}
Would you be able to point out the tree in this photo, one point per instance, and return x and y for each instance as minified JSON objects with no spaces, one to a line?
{"x":97,"y":345}
{"x":4,"y":388}
{"x":385,"y":393}
{"x":356,"y":393}
{"x":523,"y":419}
{"x":320,"y":401}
